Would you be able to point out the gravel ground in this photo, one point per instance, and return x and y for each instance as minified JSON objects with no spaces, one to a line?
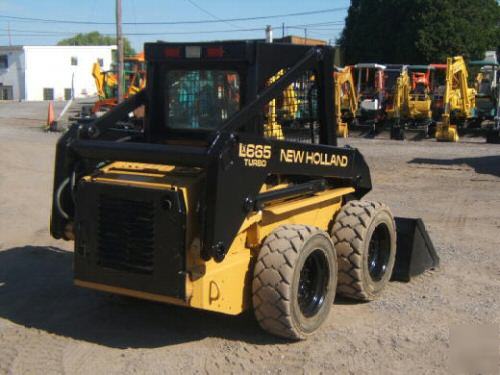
{"x":49,"y":326}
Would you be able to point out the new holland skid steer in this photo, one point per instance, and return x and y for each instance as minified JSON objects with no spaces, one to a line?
{"x":204,"y":207}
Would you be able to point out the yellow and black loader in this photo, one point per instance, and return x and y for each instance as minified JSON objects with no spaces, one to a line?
{"x":204,"y":207}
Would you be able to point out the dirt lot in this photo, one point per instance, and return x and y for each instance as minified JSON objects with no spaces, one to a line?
{"x":49,"y":326}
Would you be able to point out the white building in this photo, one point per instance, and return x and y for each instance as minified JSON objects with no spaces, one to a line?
{"x":50,"y":72}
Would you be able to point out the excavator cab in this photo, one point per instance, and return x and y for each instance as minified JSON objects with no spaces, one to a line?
{"x":370,"y":87}
{"x":485,"y":78}
{"x":420,"y":98}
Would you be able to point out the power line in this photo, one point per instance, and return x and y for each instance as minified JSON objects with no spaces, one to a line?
{"x":45,"y":20}
{"x":211,"y":14}
{"x":311,"y":26}
{"x":151,"y":34}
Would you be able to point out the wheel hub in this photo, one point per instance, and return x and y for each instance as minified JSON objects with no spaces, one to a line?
{"x":313,"y":283}
{"x":379,"y":252}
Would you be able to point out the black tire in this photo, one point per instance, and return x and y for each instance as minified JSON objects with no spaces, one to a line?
{"x":294,"y":257}
{"x":493,"y":136}
{"x":397,"y":133}
{"x":365,"y":266}
{"x":431,"y":130}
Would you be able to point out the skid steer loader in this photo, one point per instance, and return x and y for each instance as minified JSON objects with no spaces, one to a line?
{"x":205,"y":208}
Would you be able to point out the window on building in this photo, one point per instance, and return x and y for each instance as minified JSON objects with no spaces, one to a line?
{"x":74,"y":60}
{"x":6,"y":93}
{"x":67,"y":94}
{"x":4,"y":61}
{"x":101,"y":62}
{"x":48,"y":94}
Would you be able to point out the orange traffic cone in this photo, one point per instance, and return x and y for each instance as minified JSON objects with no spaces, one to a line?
{"x":51,"y":122}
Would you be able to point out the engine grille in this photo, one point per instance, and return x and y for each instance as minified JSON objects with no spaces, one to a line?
{"x":126,"y":234}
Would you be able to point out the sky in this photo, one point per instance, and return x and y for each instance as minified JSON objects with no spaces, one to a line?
{"x":325,"y":25}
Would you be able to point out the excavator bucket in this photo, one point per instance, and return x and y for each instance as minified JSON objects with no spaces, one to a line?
{"x":415,"y":251}
{"x":447,"y":133}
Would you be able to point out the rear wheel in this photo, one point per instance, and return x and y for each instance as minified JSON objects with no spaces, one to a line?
{"x":364,"y":235}
{"x":294,"y":282}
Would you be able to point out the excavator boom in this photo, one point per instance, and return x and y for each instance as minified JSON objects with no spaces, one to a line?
{"x":346,"y":99}
{"x":458,"y":99}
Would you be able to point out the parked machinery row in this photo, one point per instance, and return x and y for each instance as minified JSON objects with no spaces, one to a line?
{"x":436,"y":100}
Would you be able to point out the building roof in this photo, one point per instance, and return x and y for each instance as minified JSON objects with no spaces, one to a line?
{"x":293,"y":39}
{"x":22,"y":47}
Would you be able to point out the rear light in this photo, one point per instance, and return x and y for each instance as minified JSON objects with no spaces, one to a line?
{"x":215,"y":51}
{"x":172,"y":52}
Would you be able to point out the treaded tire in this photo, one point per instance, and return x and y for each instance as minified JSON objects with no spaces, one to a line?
{"x":277,"y":275}
{"x":352,"y":232}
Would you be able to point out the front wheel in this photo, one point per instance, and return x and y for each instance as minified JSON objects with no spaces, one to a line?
{"x":294,"y":281}
{"x":364,"y":235}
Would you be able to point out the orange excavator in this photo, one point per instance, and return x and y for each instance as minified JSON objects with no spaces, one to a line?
{"x":107,"y":82}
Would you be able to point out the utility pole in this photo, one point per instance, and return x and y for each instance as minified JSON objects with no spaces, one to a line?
{"x":305,"y":36}
{"x":8,"y":32}
{"x":282,"y":30}
{"x":119,"y":42}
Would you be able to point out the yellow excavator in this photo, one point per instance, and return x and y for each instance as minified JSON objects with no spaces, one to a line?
{"x":280,"y":109}
{"x":107,"y":82}
{"x":459,"y":100}
{"x":400,"y":111}
{"x":411,"y":106}
{"x":346,"y":99}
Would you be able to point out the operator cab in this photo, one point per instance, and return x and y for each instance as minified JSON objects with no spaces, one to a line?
{"x":198,"y":87}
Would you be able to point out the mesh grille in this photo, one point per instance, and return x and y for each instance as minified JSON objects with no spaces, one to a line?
{"x":126,"y":234}
{"x":292,"y":116}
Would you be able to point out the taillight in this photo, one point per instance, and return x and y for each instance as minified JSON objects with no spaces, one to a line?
{"x":215,"y":52}
{"x":172,"y":52}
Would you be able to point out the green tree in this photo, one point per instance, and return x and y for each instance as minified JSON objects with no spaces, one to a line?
{"x":95,"y":38}
{"x":419,"y":31}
